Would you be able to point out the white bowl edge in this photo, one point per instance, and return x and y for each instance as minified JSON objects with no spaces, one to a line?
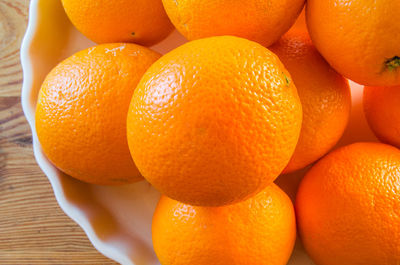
{"x":74,"y":213}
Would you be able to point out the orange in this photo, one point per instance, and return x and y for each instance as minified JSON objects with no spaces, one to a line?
{"x":258,"y":20}
{"x":81,"y":112}
{"x":300,"y":24}
{"x":140,"y":21}
{"x":348,"y":206}
{"x":324,"y":94}
{"x":260,"y":230}
{"x":214,"y":121}
{"x":382,"y":109}
{"x":359,"y":38}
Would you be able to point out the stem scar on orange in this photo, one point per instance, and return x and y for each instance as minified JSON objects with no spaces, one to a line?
{"x":359,"y":38}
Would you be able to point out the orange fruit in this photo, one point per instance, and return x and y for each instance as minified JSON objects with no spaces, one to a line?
{"x":81,"y":112}
{"x":348,"y":206}
{"x":214,"y":121}
{"x":359,"y":38}
{"x":258,"y":20}
{"x":324,"y":94}
{"x":140,"y":21}
{"x":260,"y":230}
{"x":382,"y":109}
{"x":300,"y":24}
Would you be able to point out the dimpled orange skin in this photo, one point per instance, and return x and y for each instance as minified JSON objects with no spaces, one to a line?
{"x":257,"y":20}
{"x":260,"y":230}
{"x":214,"y":121}
{"x":382,"y":109}
{"x":359,"y":38}
{"x":140,"y":21}
{"x":324,"y":94}
{"x":81,"y":112}
{"x":348,"y":206}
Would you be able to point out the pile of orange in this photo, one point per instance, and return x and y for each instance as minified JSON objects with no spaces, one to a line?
{"x":214,"y":122}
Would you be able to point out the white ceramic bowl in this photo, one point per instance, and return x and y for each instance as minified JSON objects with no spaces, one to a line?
{"x":117,"y":220}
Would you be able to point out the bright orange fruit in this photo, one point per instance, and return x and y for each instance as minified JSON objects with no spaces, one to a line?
{"x":382,"y":110}
{"x":140,"y":21}
{"x":300,"y":24}
{"x":348,"y":206}
{"x":324,"y":94}
{"x":260,"y":230}
{"x":359,"y":38}
{"x":258,"y":20}
{"x":81,"y":112}
{"x":214,"y":121}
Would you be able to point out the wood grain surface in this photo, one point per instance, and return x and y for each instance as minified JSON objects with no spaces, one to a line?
{"x":33,"y":229}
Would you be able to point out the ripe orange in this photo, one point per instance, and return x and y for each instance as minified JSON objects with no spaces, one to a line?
{"x":382,"y":109}
{"x":300,"y":24}
{"x":359,"y":38}
{"x":348,"y":206}
{"x":140,"y":21}
{"x":257,"y":20}
{"x":261,"y":230}
{"x":81,"y":112}
{"x":324,"y":94}
{"x":214,"y":121}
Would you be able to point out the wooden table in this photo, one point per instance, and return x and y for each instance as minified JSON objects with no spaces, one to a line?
{"x":33,"y":229}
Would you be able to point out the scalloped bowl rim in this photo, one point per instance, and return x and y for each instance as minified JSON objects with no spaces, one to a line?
{"x":73,"y":212}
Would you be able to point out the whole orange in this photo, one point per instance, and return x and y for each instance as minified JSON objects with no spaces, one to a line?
{"x":214,"y":121}
{"x":140,"y":21}
{"x":260,"y":230}
{"x":324,"y":94}
{"x":258,"y":20}
{"x":382,"y":109}
{"x":348,"y":206}
{"x":359,"y":38}
{"x":81,"y":112}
